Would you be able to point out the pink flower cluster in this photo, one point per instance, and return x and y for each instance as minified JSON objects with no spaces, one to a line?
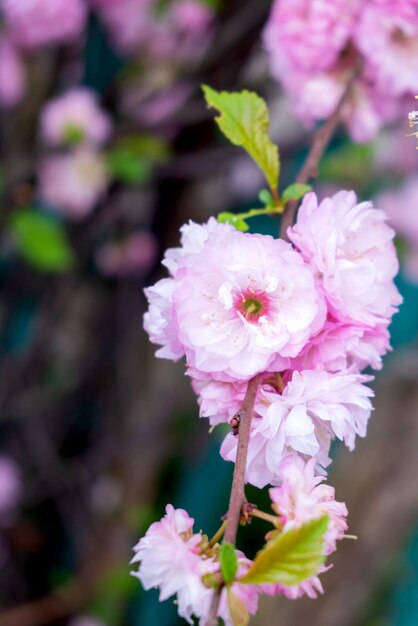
{"x":306,"y":317}
{"x":314,"y":44}
{"x":73,"y":182}
{"x":178,"y":562}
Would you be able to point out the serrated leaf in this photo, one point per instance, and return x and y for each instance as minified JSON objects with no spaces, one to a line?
{"x":234,"y":220}
{"x":244,"y":120}
{"x":290,"y":557}
{"x":41,"y":240}
{"x":237,"y":609}
{"x":228,"y":561}
{"x":295,"y":191}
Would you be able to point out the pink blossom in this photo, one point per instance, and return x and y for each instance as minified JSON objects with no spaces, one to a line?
{"x":313,"y":45}
{"x":12,"y":74}
{"x":387,"y":35}
{"x":73,"y":183}
{"x":160,"y":322}
{"x":192,"y":239}
{"x":310,"y":588}
{"x":135,"y":255}
{"x":300,"y":499}
{"x":242,"y":302}
{"x":33,"y":23}
{"x":308,"y":35}
{"x":171,"y":558}
{"x":75,"y":117}
{"x":350,"y":249}
{"x":341,"y":346}
{"x":219,"y":400}
{"x":238,"y":303}
{"x":315,"y":407}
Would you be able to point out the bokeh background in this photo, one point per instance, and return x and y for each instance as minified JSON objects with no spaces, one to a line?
{"x":96,"y":434}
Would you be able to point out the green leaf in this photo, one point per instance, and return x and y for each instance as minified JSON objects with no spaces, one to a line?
{"x":237,"y":609}
{"x":295,"y":191}
{"x":41,"y":241}
{"x":244,"y":120}
{"x":235,"y":220}
{"x":229,"y":563}
{"x":290,"y":557}
{"x":266,"y":198}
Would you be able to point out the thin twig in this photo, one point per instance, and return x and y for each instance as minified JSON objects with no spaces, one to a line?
{"x":237,"y":497}
{"x":320,"y":142}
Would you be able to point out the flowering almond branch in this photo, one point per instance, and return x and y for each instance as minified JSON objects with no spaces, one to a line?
{"x":280,"y":333}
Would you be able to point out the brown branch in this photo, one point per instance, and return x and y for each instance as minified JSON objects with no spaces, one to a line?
{"x":320,"y":142}
{"x":237,"y":498}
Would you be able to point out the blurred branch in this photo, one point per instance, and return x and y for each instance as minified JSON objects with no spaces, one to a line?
{"x":320,"y":142}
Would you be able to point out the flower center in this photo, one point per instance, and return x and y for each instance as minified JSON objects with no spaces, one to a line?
{"x":252,"y":305}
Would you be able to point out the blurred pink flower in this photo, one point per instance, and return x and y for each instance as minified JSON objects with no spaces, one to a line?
{"x":33,"y":23}
{"x":12,"y":74}
{"x":387,"y":35}
{"x":313,"y":46}
{"x":308,"y":35}
{"x":135,"y":255}
{"x":350,"y":249}
{"x":75,"y":117}
{"x":73,"y":183}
